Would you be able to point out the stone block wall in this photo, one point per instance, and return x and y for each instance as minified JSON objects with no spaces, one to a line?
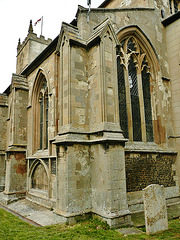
{"x":173,"y":49}
{"x":145,"y":169}
{"x":3,"y":120}
{"x":16,"y":170}
{"x":130,"y":3}
{"x":79,"y":88}
{"x":3,"y":137}
{"x":108,"y":180}
{"x":73,"y":180}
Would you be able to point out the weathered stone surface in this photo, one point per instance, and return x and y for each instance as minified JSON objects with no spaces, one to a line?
{"x":155,"y":209}
{"x":66,"y":112}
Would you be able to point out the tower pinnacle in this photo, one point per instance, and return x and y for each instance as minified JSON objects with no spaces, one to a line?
{"x":30,"y":30}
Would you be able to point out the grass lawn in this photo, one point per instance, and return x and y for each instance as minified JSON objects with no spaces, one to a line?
{"x":12,"y":227}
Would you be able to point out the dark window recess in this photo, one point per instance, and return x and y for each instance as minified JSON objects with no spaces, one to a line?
{"x":175,"y":6}
{"x":53,"y":166}
{"x":122,"y":98}
{"x":170,"y":6}
{"x":131,"y":46}
{"x":147,"y":105}
{"x":41,"y":123}
{"x":47,"y":106}
{"x":136,"y":118}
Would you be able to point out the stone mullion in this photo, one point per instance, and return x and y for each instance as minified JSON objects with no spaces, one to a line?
{"x":172,"y":6}
{"x":141,"y":103}
{"x":128,"y":102}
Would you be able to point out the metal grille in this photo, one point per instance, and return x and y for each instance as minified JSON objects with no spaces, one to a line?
{"x":122,"y":98}
{"x":147,"y":105}
{"x":137,"y":136}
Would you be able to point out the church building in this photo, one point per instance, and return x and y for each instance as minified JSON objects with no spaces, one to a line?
{"x":92,"y":117}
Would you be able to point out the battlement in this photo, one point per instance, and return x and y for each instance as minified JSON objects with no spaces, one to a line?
{"x":34,"y":37}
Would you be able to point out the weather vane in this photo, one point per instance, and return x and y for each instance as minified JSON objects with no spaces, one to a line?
{"x":89,"y":4}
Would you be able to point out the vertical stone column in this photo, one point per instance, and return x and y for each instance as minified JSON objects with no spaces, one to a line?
{"x":3,"y":136}
{"x":73,"y":180}
{"x":16,"y":173}
{"x":15,"y":181}
{"x":109,"y":198}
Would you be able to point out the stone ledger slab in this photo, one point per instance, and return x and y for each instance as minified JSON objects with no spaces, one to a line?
{"x":155,"y":209}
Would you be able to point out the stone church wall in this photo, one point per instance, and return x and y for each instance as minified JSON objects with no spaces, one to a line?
{"x":3,"y":137}
{"x":173,"y":49}
{"x":70,"y":98}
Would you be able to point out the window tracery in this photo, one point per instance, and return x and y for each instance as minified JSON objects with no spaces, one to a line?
{"x":134,"y":91}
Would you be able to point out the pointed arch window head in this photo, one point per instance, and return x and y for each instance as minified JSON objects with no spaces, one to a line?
{"x":134,"y":91}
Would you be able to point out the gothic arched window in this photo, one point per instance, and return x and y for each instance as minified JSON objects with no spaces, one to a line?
{"x":43,"y":124}
{"x":134,"y":91}
{"x":40,"y":114}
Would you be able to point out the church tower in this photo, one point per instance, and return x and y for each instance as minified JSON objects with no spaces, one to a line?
{"x":29,"y":49}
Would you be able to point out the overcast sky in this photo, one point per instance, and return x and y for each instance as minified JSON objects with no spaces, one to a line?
{"x":15,"y":16}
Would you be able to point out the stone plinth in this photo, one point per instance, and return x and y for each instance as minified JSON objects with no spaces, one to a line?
{"x":155,"y":209}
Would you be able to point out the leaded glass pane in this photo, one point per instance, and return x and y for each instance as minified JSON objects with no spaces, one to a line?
{"x":47,"y":106}
{"x":147,"y":105}
{"x":136,"y":118}
{"x":41,"y":123}
{"x":131,"y":45}
{"x":122,"y":99}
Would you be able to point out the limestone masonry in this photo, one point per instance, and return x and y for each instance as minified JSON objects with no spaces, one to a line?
{"x":93,"y":117}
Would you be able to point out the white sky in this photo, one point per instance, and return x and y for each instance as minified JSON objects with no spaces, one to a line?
{"x":15,"y":16}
